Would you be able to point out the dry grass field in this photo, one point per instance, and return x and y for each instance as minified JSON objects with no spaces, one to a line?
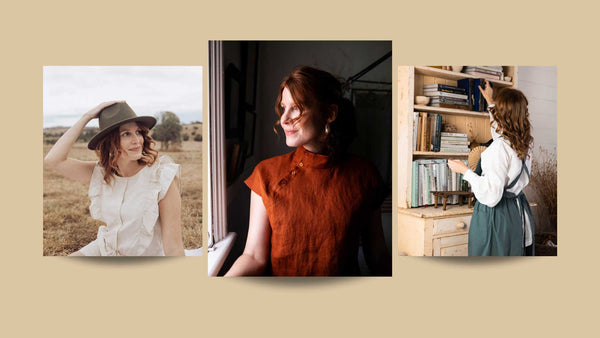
{"x":68,"y":225}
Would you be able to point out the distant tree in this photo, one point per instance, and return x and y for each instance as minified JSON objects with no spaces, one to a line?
{"x":198,"y":137}
{"x":185,"y":136}
{"x":168,"y":129}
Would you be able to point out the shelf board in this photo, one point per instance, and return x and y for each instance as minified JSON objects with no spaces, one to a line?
{"x":431,"y":211}
{"x":438,"y":154}
{"x":450,"y":111}
{"x":446,"y":74}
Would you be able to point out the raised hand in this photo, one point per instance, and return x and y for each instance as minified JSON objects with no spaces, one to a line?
{"x":488,"y":92}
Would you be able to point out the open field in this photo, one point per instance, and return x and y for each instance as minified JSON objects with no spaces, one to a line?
{"x":68,"y":225}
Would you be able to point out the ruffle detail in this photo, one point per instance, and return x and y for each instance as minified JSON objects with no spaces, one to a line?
{"x":95,"y":192}
{"x":166,"y":170}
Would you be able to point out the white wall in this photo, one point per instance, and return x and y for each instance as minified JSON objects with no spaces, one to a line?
{"x":539,"y":84}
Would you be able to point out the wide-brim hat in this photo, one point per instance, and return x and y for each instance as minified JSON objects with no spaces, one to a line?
{"x":113,"y":116}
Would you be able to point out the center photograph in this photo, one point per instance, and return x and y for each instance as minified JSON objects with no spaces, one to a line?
{"x":300,"y":162}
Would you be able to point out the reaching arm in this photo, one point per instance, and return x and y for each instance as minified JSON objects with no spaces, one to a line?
{"x":170,"y":221}
{"x":253,"y":261}
{"x":376,"y":255}
{"x":57,"y":158}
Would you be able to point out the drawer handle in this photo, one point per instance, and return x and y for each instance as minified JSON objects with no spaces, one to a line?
{"x":461,"y":225}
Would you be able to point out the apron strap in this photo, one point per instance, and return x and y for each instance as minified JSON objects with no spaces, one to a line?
{"x":523,"y":167}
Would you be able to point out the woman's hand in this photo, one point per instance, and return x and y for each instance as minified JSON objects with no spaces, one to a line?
{"x":488,"y":92}
{"x":94,"y":112}
{"x":457,"y":166}
{"x":57,"y":158}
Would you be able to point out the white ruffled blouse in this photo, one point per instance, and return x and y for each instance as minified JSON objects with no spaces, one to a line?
{"x":130,"y":210}
{"x":500,"y":165}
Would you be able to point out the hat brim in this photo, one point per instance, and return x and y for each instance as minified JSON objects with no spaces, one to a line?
{"x":148,"y":121}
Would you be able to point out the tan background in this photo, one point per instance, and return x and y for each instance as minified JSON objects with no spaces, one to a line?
{"x":64,"y":297}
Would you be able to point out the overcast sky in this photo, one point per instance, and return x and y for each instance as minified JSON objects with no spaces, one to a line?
{"x":69,"y":92}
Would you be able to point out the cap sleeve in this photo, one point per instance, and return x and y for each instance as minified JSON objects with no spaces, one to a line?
{"x":95,"y":192}
{"x":166,"y":171}
{"x":258,"y":180}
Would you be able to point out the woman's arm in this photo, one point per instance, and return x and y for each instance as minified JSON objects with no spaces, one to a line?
{"x":253,"y":261}
{"x":169,"y":209}
{"x":376,"y":254}
{"x":57,"y":158}
{"x":489,"y":187}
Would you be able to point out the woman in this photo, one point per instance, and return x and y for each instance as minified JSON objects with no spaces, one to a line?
{"x":310,"y":208}
{"x":133,"y":192}
{"x":502,"y":224}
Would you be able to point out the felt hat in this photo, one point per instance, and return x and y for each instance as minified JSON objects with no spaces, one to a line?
{"x":113,"y":116}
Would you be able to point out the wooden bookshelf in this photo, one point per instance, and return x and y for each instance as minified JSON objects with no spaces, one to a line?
{"x":428,"y":230}
{"x":438,"y":154}
{"x":450,"y":75}
{"x":449,"y":111}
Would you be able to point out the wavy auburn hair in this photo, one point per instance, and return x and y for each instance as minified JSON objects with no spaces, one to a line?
{"x":512,"y":117}
{"x":317,"y":90}
{"x":109,"y":150}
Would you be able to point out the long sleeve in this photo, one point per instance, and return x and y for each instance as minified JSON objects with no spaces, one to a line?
{"x":489,"y":187}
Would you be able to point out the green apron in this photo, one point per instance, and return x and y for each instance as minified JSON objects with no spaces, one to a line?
{"x":498,"y":231}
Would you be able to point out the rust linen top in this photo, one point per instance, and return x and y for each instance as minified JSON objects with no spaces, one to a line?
{"x":316,"y":211}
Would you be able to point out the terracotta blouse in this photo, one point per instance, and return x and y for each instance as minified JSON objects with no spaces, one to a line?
{"x":316,"y":211}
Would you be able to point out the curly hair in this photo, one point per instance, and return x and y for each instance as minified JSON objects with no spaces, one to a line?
{"x":316,"y":90}
{"x":512,"y":118}
{"x":109,"y":149}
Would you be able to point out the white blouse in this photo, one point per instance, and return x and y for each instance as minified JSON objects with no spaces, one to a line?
{"x":130,"y":210}
{"x":500,"y":165}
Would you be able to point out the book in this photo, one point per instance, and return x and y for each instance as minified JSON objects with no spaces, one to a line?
{"x":484,"y":69}
{"x":444,"y":88}
{"x":445,"y":133}
{"x":436,"y":94}
{"x":451,"y":100}
{"x":415,"y":130}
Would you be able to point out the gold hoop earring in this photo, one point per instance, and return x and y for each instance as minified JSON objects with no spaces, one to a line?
{"x":327,"y":129}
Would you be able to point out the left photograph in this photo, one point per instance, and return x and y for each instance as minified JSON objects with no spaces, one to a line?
{"x":122,"y":151}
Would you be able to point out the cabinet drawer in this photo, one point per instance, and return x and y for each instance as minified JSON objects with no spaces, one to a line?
{"x":451,"y":245}
{"x":457,"y":250}
{"x":450,"y":225}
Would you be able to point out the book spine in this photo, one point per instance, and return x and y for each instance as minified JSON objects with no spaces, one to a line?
{"x":414,"y":196}
{"x":445,"y":94}
{"x":446,"y":88}
{"x":415,"y":130}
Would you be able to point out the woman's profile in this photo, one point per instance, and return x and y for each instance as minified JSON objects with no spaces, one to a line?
{"x":133,"y":191}
{"x":502,"y":224}
{"x":312,"y":208}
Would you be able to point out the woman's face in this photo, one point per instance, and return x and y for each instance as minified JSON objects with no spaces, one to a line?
{"x":306,"y":131}
{"x":132,"y":141}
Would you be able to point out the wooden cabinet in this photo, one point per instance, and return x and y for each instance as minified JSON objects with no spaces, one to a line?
{"x":429,"y":231}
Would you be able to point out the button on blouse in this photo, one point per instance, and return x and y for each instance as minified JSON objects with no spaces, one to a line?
{"x":129,"y":207}
{"x":316,"y":211}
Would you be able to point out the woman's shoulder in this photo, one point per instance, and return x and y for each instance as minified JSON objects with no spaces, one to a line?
{"x":163,"y":160}
{"x":275,"y":164}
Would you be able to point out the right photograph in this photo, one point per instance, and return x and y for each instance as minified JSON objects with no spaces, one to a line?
{"x":477,"y":161}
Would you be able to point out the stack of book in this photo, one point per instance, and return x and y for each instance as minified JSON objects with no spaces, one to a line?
{"x":446,"y":96}
{"x":434,"y":175}
{"x":454,"y":143}
{"x":427,"y":128}
{"x":428,"y":135}
{"x":486,"y":72}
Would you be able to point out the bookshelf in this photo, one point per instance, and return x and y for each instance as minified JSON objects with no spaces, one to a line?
{"x":429,"y":231}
